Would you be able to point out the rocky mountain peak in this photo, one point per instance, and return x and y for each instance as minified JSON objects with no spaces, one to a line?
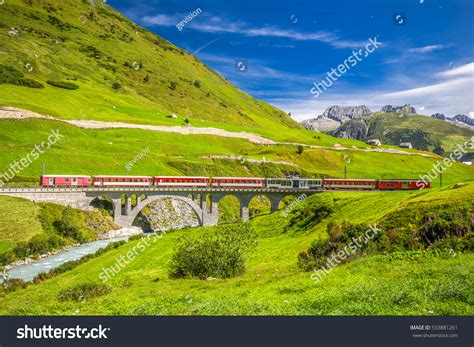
{"x":463,"y":119}
{"x":405,"y":109}
{"x":343,"y":114}
{"x":439,"y":116}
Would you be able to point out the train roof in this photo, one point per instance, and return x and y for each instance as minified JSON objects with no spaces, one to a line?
{"x":402,"y":179}
{"x":111,"y":176}
{"x":240,"y":178}
{"x":351,"y":179}
{"x":181,"y":177}
{"x":78,"y":176}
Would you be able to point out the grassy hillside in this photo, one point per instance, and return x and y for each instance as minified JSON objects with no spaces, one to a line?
{"x":30,"y":229}
{"x":273,"y":284}
{"x":18,"y":221}
{"x":95,"y":48}
{"x":423,"y":132}
{"x":79,"y":151}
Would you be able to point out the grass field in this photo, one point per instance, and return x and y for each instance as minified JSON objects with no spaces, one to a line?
{"x":18,"y":221}
{"x":272,"y":283}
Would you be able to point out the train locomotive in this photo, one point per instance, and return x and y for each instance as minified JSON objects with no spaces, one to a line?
{"x":107,"y":181}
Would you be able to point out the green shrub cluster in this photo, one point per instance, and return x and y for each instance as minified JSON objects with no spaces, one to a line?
{"x":10,"y":75}
{"x":62,"y":84}
{"x":310,"y":213}
{"x":419,"y":254}
{"x":84,"y":292}
{"x":443,"y":229}
{"x":221,"y":254}
{"x":340,"y":236}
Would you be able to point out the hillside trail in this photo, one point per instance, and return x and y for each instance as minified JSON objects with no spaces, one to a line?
{"x":16,"y":113}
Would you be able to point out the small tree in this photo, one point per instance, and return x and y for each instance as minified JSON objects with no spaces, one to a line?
{"x":186,"y":120}
{"x":197,"y":84}
{"x":146,"y":79}
{"x":172,"y":85}
{"x":116,"y":85}
{"x":300,"y":149}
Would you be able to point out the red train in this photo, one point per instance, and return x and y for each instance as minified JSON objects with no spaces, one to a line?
{"x":231,"y":182}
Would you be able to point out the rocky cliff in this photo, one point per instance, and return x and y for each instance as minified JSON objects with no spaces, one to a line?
{"x":343,"y":114}
{"x":462,"y":118}
{"x":320,"y":123}
{"x":335,"y":116}
{"x":438,"y":116}
{"x":166,"y":214}
{"x":405,"y":109}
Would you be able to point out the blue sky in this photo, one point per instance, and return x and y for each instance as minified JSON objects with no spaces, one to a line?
{"x":426,"y":56}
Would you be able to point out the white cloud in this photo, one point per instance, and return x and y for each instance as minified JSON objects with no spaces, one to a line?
{"x":463,"y":70}
{"x":426,"y":49}
{"x":450,"y":93}
{"x":162,"y":20}
{"x":216,"y":24}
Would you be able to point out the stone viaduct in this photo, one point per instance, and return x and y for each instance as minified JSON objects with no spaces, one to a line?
{"x":203,"y":201}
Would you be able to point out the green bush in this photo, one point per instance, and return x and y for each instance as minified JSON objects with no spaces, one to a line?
{"x":443,"y":229}
{"x":11,"y":75}
{"x":62,"y":84}
{"x":116,"y":85}
{"x":221,"y":254}
{"x":84,"y":291}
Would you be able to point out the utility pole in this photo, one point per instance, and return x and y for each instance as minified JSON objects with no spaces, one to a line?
{"x":44,"y":169}
{"x":347,"y":160}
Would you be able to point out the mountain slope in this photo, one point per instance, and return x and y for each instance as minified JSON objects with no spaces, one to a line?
{"x":423,"y":132}
{"x":123,"y":71}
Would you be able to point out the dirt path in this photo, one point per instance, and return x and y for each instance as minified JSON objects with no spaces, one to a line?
{"x":15,"y":113}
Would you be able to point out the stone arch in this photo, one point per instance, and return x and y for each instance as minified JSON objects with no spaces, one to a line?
{"x":150,"y":199}
{"x":96,"y":202}
{"x":293,"y":200}
{"x":261,"y":204}
{"x":229,"y":208}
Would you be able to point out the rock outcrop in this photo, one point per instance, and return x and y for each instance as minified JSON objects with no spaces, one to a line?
{"x":462,"y":118}
{"x":353,"y":129}
{"x":405,"y":109}
{"x":334,"y":116}
{"x":344,"y":114}
{"x":166,"y":214}
{"x":439,"y":116}
{"x":320,"y":123}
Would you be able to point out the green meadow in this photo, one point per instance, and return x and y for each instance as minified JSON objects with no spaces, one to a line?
{"x":272,"y":283}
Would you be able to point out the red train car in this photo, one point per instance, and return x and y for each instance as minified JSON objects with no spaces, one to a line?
{"x":400,"y":184}
{"x":181,"y":181}
{"x":343,"y":183}
{"x":238,"y":182}
{"x":65,"y":181}
{"x":122,"y":181}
